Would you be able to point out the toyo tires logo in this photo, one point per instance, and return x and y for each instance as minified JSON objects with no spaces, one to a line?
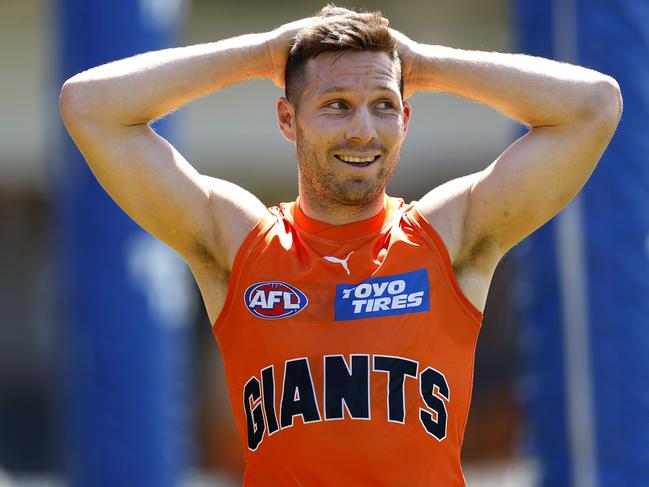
{"x":272,"y":300}
{"x":383,"y":296}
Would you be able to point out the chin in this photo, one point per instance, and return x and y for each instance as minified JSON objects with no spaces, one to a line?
{"x":357,"y":196}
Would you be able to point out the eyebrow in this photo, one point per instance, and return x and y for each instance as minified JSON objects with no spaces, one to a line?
{"x":342,"y":89}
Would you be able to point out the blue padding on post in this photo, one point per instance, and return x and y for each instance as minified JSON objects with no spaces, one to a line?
{"x":542,"y":390}
{"x":125,"y":388}
{"x":611,"y":38}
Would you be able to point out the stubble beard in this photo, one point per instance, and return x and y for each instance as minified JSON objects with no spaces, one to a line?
{"x":319,"y":179}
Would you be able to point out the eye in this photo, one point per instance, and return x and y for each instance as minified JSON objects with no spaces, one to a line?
{"x":385,"y":105}
{"x":337,"y":105}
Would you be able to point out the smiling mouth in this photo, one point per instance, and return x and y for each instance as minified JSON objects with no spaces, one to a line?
{"x":357,"y":161}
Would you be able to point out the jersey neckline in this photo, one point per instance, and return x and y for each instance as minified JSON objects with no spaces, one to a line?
{"x":348,"y":231}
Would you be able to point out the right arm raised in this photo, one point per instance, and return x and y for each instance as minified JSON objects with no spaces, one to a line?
{"x":107,"y":111}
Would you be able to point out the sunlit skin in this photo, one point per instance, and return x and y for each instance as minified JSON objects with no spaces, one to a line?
{"x":571,"y":113}
{"x":351,"y":106}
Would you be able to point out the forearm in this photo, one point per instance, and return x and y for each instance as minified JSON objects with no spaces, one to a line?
{"x":142,"y":88}
{"x":532,"y":90}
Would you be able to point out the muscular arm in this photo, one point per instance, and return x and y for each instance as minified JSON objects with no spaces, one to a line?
{"x":108,"y":110}
{"x":571,"y":113}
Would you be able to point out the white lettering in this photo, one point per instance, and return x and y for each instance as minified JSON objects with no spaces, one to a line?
{"x":363,"y":291}
{"x":358,"y":304}
{"x":258,"y":299}
{"x":397,"y":287}
{"x":379,"y":288}
{"x":388,"y":303}
{"x":273,"y":298}
{"x":382,"y":304}
{"x":287,"y":302}
{"x":415,"y":299}
{"x":399,"y":302}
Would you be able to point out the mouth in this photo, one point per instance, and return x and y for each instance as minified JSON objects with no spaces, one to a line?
{"x":358,"y":161}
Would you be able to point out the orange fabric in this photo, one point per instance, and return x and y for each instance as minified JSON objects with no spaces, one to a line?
{"x":406,"y":377}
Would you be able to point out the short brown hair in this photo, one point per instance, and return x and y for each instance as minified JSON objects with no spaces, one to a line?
{"x":361,"y":31}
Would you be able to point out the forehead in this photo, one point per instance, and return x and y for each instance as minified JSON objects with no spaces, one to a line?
{"x":351,"y":70}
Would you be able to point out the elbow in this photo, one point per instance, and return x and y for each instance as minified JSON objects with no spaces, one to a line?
{"x":65,"y":102}
{"x":71,"y":102}
{"x":610,"y":98}
{"x":83,"y":101}
{"x":605,"y":102}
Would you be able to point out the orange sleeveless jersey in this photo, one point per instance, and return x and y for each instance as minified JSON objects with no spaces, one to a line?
{"x":348,"y":352}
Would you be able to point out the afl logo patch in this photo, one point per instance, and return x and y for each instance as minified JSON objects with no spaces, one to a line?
{"x":272,"y":300}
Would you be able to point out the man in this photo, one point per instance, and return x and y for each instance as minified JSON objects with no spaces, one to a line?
{"x":348,"y":319}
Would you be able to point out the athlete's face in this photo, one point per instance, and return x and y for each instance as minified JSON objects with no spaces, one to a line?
{"x":348,"y":127}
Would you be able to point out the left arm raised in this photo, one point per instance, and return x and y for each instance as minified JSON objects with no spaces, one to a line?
{"x":571,"y":112}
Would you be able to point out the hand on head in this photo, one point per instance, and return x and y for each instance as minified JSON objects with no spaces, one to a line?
{"x":281,"y":39}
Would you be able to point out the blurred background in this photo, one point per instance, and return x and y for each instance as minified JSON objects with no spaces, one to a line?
{"x":231,"y":135}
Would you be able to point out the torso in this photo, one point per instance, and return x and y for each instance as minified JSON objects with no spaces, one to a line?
{"x":473,"y":282}
{"x":396,"y":309}
{"x":474,"y":278}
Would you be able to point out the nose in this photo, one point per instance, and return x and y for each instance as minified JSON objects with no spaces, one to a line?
{"x":361,"y":127}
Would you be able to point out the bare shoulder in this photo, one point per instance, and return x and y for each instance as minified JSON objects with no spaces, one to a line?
{"x":474,"y":257}
{"x":235,"y":212}
{"x":444,"y":208}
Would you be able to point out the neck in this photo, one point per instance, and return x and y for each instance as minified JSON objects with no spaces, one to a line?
{"x":337,"y":213}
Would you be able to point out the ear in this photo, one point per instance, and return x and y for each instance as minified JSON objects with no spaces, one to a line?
{"x":286,"y":119}
{"x":407,"y":113}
